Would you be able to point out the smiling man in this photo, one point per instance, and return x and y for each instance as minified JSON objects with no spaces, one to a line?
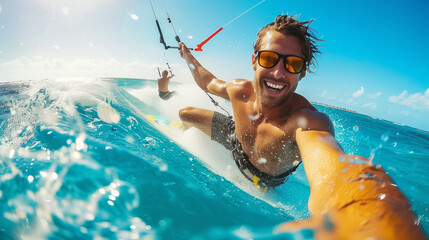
{"x":267,"y":111}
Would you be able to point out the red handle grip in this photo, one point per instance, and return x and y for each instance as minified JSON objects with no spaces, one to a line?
{"x":199,"y":46}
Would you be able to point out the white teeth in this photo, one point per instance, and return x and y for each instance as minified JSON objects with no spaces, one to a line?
{"x":275,"y":86}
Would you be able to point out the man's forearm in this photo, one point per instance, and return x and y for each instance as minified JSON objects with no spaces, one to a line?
{"x":201,"y":75}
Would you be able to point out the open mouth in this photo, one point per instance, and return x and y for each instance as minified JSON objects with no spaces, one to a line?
{"x":274,"y":86}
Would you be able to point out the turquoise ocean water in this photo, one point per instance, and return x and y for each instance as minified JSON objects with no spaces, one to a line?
{"x":80,"y":160}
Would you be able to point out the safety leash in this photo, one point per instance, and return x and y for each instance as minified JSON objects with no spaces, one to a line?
{"x":168,"y":65}
{"x":217,"y":104}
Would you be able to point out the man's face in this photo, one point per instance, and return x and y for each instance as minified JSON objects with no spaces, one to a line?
{"x":274,"y":86}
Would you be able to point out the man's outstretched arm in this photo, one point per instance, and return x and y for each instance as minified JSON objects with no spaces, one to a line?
{"x":350,"y":198}
{"x":204,"y":78}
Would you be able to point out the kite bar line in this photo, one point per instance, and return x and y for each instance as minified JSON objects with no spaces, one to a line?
{"x":161,"y":36}
{"x":169,"y":20}
{"x":243,"y":13}
{"x":199,"y":46}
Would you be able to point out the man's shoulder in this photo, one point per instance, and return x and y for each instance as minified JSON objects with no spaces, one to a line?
{"x":307,"y":117}
{"x":240,"y":89}
{"x":303,"y":102}
{"x":238,"y":82}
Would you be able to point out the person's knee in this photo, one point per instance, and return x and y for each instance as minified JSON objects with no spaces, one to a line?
{"x":186,"y":113}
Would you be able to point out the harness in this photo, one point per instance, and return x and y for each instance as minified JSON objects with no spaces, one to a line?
{"x":261,"y":180}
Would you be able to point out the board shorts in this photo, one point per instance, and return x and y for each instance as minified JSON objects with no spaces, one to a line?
{"x":166,"y":95}
{"x":223,"y":132}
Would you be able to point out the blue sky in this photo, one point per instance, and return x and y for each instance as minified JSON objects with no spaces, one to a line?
{"x":375,"y":58}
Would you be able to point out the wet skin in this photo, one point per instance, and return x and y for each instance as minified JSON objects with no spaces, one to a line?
{"x":267,"y":111}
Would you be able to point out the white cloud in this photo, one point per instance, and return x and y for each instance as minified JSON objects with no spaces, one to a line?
{"x":370,"y":105}
{"x":358,"y":93}
{"x":375,"y":95}
{"x":38,"y":67}
{"x":415,"y":101}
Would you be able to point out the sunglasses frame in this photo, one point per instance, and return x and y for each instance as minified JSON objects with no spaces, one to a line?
{"x":281,"y":56}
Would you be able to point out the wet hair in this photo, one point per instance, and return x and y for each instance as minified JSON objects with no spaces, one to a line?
{"x":290,"y":26}
{"x":165,"y":73}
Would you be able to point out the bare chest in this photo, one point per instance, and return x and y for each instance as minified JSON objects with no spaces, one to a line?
{"x":270,"y":148}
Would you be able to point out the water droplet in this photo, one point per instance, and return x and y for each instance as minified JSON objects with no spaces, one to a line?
{"x":384,"y":137}
{"x":115,"y":193}
{"x":191,"y":66}
{"x":394,"y":144}
{"x":134,"y":17}
{"x":262,"y":160}
{"x":341,"y":159}
{"x":110,"y":203}
{"x":30,"y":179}
{"x":356,"y":128}
{"x":54,"y":176}
{"x":381,"y":196}
{"x":253,"y":117}
{"x":162,"y":223}
{"x":163,"y":168}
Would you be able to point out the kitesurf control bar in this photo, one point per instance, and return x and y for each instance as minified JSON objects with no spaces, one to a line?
{"x":161,"y":36}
